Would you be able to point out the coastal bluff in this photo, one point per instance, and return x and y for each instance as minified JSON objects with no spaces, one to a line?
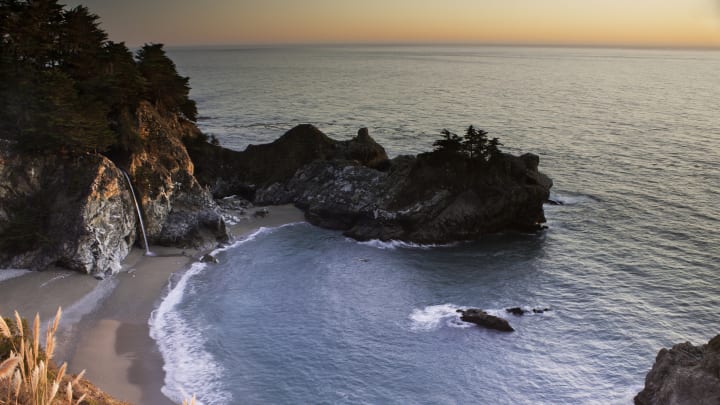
{"x":78,"y":212}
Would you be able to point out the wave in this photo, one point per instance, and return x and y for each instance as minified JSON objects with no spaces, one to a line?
{"x":189,"y":368}
{"x":395,"y":244}
{"x":572,"y":199}
{"x":434,"y":316}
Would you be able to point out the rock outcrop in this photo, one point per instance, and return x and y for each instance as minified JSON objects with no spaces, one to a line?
{"x":482,"y":318}
{"x":685,"y":374}
{"x":229,"y":172}
{"x":77,"y":213}
{"x":178,"y":210}
{"x":425,"y":199}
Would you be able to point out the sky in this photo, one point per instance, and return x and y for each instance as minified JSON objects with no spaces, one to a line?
{"x":664,"y":23}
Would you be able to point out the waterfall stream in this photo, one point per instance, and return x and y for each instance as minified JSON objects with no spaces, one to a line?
{"x":139,"y":214}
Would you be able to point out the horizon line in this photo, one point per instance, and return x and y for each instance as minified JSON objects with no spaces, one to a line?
{"x":432,"y":43}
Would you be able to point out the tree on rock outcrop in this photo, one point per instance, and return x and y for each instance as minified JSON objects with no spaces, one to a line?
{"x":450,"y":143}
{"x":474,"y":146}
{"x":165,"y":87}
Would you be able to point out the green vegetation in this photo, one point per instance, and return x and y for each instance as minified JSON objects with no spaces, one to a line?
{"x":474,"y":145}
{"x":64,"y":87}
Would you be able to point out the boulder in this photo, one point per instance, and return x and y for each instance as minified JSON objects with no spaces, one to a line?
{"x":482,"y":318}
{"x":76,"y":213}
{"x":685,"y":374}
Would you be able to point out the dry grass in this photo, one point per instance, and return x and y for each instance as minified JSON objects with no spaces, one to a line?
{"x":28,"y":374}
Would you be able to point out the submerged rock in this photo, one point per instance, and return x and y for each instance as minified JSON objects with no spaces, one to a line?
{"x":685,"y":374}
{"x":482,"y":318}
{"x":517,"y":311}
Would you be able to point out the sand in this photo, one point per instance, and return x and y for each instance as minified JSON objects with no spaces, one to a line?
{"x":104,"y":329}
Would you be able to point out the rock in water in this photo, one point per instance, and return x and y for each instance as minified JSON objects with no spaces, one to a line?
{"x":517,"y":311}
{"x":208,"y":258}
{"x":685,"y":374}
{"x":482,"y":318}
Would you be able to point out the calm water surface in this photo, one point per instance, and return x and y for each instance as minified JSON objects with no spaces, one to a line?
{"x":630,"y":263}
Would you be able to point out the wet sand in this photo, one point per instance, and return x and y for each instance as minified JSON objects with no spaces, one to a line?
{"x":104,"y":329}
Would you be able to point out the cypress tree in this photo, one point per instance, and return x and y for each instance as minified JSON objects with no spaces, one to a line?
{"x":165,"y":87}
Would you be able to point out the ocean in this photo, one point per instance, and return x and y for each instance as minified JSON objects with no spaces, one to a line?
{"x":629,"y":264}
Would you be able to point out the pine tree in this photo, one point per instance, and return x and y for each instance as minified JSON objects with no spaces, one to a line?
{"x":494,"y":149}
{"x":475,"y":143}
{"x":450,"y":143}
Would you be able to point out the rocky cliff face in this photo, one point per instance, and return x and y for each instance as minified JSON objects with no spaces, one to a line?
{"x":229,"y":172}
{"x":685,"y":374}
{"x":178,"y":210}
{"x":79,"y":213}
{"x":75,"y":213}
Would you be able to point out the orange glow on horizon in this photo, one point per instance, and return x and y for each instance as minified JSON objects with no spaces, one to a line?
{"x":692,"y":23}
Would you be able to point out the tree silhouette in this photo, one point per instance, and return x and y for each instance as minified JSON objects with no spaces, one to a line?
{"x":450,"y":143}
{"x":64,"y":87}
{"x":165,"y":87}
{"x":474,"y":145}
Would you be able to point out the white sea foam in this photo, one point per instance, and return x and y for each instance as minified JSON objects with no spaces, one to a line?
{"x":7,"y":274}
{"x":189,"y":368}
{"x":434,"y":316}
{"x":395,"y":244}
{"x":572,"y":199}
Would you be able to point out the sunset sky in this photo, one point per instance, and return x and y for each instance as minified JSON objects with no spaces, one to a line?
{"x":694,"y":23}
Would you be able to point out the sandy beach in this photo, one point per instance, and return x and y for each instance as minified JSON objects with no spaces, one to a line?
{"x":104,"y":328}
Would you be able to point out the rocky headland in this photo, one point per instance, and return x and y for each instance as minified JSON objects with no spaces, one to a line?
{"x":352,"y":186}
{"x":78,"y":212}
{"x":684,"y":374}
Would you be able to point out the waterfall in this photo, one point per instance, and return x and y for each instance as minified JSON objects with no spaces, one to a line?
{"x":139,"y":214}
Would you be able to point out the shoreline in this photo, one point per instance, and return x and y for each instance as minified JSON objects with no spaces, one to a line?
{"x":105,"y":328}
